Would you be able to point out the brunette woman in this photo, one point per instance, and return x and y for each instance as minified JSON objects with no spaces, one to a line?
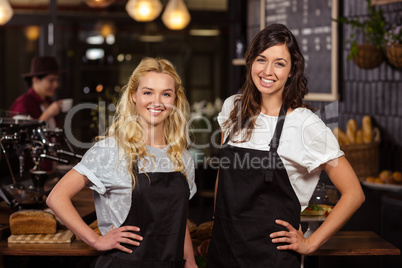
{"x":274,"y":149}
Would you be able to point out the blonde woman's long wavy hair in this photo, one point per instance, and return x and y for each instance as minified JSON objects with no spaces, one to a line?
{"x":126,"y":127}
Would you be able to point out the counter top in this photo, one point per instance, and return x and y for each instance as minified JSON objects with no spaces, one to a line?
{"x":84,"y":204}
{"x":75,"y":248}
{"x":356,"y":243}
{"x":346,"y":243}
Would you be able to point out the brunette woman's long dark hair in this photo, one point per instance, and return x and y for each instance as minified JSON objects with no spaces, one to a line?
{"x":248,"y":106}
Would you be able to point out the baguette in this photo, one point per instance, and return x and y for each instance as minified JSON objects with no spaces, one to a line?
{"x":351,"y":129}
{"x":359,"y":137}
{"x":367,"y":129}
{"x":32,"y":222}
{"x":341,"y":136}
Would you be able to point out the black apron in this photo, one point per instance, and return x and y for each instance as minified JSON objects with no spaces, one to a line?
{"x":159,"y":208}
{"x":253,"y":191}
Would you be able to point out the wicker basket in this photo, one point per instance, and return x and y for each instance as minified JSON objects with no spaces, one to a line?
{"x":368,"y":56}
{"x":394,"y":55}
{"x":364,"y":157}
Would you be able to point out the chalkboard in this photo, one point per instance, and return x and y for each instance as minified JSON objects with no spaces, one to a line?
{"x":310,"y":22}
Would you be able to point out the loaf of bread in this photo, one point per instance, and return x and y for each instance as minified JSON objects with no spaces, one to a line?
{"x":60,"y":224}
{"x":359,"y":137}
{"x":351,"y":129}
{"x":367,"y":129}
{"x":341,"y":136}
{"x":192,"y":227}
{"x":204,"y":230}
{"x":32,"y":222}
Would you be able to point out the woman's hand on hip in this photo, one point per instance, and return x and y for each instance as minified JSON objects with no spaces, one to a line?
{"x":115,"y":237}
{"x":291,"y":239}
{"x":192,"y":265}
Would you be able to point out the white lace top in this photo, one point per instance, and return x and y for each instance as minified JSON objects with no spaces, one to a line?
{"x":106,"y":168}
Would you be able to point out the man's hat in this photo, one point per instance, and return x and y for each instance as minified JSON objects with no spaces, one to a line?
{"x":43,"y":65}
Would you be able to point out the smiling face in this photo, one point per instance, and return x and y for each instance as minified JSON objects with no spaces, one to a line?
{"x":271,"y":69}
{"x":154,"y":99}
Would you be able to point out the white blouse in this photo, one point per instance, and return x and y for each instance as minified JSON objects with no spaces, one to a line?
{"x":305,"y":144}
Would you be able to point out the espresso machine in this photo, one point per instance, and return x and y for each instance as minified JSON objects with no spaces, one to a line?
{"x":26,"y":145}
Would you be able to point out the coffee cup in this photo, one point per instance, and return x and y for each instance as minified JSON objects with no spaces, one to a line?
{"x":39,"y":178}
{"x":66,"y":105}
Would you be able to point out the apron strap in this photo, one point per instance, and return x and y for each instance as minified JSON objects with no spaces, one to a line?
{"x":274,"y":144}
{"x":135,"y":166}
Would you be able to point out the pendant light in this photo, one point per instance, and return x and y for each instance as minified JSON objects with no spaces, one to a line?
{"x":32,"y":32}
{"x":144,"y":10}
{"x":98,"y":3}
{"x":6,"y":12}
{"x":176,"y":15}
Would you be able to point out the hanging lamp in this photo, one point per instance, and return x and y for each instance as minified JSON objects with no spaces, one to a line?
{"x":6,"y":12}
{"x":32,"y":32}
{"x":105,"y":27}
{"x":144,"y":10}
{"x":98,"y":3}
{"x":176,"y":15}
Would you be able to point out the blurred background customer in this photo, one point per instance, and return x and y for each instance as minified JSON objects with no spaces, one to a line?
{"x":43,"y":82}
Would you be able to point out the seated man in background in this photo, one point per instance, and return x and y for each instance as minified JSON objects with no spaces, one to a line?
{"x":42,"y":81}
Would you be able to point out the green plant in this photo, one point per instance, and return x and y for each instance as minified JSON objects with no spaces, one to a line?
{"x":373,"y":29}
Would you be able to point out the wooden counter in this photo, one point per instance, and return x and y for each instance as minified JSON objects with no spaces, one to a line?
{"x":348,"y":243}
{"x":75,"y":248}
{"x":344,"y":243}
{"x":356,"y":243}
{"x":84,"y":204}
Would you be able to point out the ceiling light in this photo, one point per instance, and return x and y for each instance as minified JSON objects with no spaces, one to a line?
{"x":144,"y":10}
{"x":6,"y":12}
{"x":32,"y":32}
{"x":105,"y":28}
{"x":176,"y":15}
{"x":98,"y":3}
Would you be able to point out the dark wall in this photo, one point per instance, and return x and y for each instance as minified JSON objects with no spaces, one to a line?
{"x":376,"y":92}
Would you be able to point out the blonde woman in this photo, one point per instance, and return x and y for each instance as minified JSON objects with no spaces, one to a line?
{"x":141,"y":175}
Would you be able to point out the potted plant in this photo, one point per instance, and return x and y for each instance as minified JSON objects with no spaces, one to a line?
{"x":368,"y":54}
{"x":393,"y":46}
